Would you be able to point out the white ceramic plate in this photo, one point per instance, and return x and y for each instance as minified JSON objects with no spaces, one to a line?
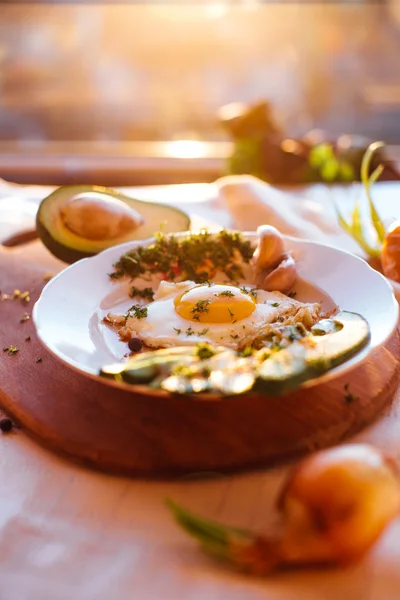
{"x":68,"y":314}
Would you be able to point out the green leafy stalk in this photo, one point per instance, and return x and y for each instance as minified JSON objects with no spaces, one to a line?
{"x":355,"y":227}
{"x":215,"y":539}
{"x":238,"y":548}
{"x":367,"y":181}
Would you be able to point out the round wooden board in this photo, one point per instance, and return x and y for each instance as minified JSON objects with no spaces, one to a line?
{"x":118,"y":431}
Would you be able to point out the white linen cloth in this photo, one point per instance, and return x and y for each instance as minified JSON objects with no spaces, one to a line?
{"x":70,"y":533}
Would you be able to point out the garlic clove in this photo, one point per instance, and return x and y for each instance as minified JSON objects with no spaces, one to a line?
{"x":282,"y":278}
{"x":270,"y":248}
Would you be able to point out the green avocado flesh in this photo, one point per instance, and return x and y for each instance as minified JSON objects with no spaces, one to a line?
{"x":68,"y":246}
{"x":347,"y":333}
{"x":330,"y":343}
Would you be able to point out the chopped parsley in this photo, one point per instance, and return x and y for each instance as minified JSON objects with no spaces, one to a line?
{"x":178,"y":331}
{"x":189,"y":257}
{"x":137,"y":311}
{"x":191,"y":331}
{"x":230,"y":312}
{"x":200,"y":307}
{"x":147,"y":293}
{"x":275,"y":304}
{"x":226,"y":293}
{"x":203,"y":331}
{"x":204,"y":351}
{"x":249,"y":292}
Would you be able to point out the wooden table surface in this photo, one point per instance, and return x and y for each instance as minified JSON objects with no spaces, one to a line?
{"x":68,"y":532}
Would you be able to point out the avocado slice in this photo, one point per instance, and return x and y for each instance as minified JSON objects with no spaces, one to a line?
{"x":347,"y":333}
{"x":79,"y":221}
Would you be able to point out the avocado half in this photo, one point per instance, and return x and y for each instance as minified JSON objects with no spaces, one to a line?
{"x":67,"y":245}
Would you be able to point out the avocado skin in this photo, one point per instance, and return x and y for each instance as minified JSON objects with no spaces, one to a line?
{"x":301,"y":369}
{"x":66,"y":252}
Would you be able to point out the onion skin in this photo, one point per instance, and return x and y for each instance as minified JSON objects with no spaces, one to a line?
{"x":337,"y":503}
{"x":390,"y":256}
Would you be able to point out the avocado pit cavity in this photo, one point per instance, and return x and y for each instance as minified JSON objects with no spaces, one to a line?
{"x":96,"y":216}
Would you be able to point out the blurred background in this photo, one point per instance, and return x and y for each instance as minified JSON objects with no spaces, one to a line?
{"x":130,"y":94}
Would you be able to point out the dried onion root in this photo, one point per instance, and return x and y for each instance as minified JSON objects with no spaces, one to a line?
{"x":334,"y":506}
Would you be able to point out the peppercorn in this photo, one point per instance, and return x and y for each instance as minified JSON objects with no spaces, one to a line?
{"x":135,"y":344}
{"x":6,"y":425}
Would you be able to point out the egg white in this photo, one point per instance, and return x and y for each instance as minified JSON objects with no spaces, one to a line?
{"x":163,"y":327}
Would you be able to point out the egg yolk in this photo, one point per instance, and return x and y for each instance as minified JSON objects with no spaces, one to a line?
{"x":214,"y":304}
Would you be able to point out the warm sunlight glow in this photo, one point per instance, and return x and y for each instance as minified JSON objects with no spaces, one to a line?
{"x":187,"y":149}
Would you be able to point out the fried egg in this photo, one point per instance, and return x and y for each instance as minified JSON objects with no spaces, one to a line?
{"x":187,"y":313}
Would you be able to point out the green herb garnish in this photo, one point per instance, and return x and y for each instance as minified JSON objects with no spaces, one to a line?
{"x":226,"y":293}
{"x":275,"y":304}
{"x":191,"y":331}
{"x":187,"y":258}
{"x":203,"y":331}
{"x":147,"y":293}
{"x":200,"y":307}
{"x":178,"y":331}
{"x":230,"y":312}
{"x":137,"y":311}
{"x":204,"y":351}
